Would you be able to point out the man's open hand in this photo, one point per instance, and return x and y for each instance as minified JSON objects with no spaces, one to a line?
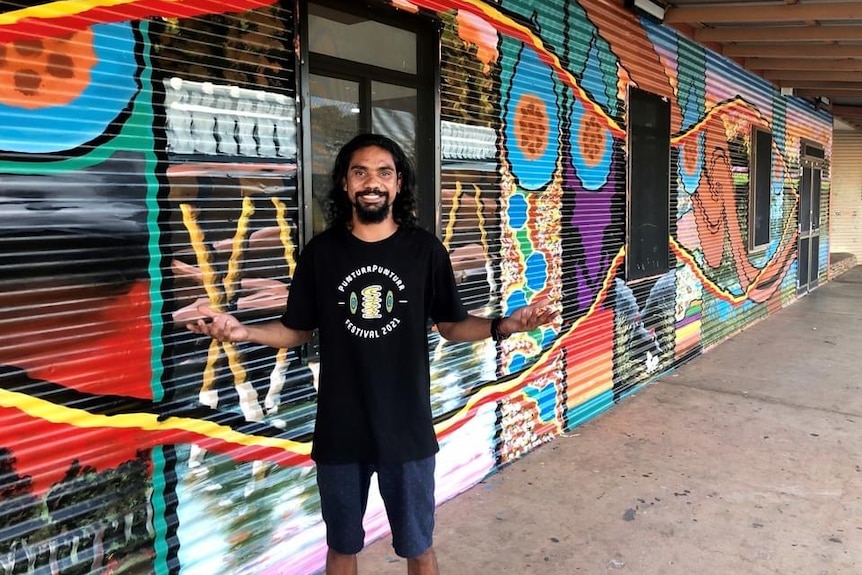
{"x":219,"y":326}
{"x":529,"y":317}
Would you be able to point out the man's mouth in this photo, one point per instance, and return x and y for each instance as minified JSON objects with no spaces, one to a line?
{"x":371,"y":195}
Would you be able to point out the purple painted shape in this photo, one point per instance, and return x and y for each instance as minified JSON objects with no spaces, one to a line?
{"x":591,"y":218}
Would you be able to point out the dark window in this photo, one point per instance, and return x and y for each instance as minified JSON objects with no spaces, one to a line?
{"x":761,"y":179}
{"x":370,"y":72}
{"x":648,"y":228}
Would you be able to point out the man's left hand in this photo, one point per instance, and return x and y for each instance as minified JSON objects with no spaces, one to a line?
{"x":529,"y":317}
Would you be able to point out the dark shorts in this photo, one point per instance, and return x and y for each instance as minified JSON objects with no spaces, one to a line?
{"x":408,"y":494}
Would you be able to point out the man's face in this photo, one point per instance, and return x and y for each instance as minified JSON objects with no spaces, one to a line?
{"x":371,"y":184}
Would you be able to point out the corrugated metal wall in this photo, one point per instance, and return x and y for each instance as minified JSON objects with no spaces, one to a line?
{"x":76,"y":337}
{"x":149,"y":167}
{"x":846,"y":210}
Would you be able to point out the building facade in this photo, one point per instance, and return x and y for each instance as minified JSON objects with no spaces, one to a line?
{"x":159,"y":155}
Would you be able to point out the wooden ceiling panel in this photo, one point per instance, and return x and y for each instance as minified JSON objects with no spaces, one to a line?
{"x":805,"y":33}
{"x":824,"y":75}
{"x":732,"y":12}
{"x":761,"y":64}
{"x":790,"y":50}
{"x":813,"y":46}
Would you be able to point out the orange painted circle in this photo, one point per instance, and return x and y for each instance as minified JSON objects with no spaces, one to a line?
{"x":592,"y":139}
{"x":38,"y":73}
{"x":531,"y":126}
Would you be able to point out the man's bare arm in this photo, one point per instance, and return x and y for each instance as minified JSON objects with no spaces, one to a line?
{"x":225,"y":327}
{"x":473,"y":328}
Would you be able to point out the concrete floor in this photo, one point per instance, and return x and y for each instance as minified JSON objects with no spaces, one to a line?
{"x":747,"y":460}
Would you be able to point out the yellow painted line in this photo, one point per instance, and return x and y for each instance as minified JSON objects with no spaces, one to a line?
{"x":53,"y":413}
{"x":60,"y":9}
{"x":284,"y":235}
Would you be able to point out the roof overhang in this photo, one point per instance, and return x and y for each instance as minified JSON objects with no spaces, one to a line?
{"x":808,"y":48}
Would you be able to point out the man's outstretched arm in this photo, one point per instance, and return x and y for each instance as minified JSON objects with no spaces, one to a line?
{"x":225,"y":327}
{"x":474,"y":328}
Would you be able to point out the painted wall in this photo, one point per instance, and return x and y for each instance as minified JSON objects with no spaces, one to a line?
{"x":150,"y":164}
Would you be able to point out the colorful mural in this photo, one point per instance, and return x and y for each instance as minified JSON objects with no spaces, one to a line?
{"x":150,"y":163}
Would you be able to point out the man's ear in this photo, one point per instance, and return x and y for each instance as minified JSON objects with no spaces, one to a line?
{"x":399,"y":184}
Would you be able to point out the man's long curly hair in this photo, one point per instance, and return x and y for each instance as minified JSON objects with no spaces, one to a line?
{"x":339,"y":210}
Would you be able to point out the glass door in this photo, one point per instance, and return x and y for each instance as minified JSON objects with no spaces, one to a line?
{"x":335,"y":118}
{"x":368,"y":73}
{"x":809,"y":227}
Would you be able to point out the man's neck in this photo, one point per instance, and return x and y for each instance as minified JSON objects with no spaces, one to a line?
{"x":373,"y":232}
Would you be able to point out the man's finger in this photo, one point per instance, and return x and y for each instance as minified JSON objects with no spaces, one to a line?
{"x":540,"y":303}
{"x":207,"y":310}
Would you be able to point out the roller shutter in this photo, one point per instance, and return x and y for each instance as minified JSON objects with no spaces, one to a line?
{"x":230,"y":221}
{"x":846,"y":208}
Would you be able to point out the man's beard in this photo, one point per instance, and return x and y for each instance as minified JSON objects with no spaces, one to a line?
{"x":372,"y":214}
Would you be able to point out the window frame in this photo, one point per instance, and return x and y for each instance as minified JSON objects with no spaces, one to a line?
{"x":426,"y":81}
{"x":630,"y":273}
{"x":755,"y":165}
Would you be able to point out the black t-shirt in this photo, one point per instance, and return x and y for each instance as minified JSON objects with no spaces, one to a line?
{"x":371,"y":302}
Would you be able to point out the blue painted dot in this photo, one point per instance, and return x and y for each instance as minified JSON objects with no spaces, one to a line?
{"x":517,"y":363}
{"x":517,"y":211}
{"x":515,"y":301}
{"x":537,"y":271}
{"x":545,"y":397}
{"x":548,"y":337}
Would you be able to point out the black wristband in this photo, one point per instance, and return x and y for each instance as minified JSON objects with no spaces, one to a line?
{"x":495,"y":329}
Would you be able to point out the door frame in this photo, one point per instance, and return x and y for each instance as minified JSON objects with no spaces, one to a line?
{"x":812,"y":160}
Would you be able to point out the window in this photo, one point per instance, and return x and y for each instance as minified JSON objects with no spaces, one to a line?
{"x":648,"y":214}
{"x":759,"y":191}
{"x":369,"y":74}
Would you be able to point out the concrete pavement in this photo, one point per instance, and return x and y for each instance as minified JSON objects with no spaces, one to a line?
{"x":747,"y":460}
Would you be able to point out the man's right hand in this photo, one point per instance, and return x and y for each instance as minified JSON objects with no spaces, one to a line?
{"x":219,"y":326}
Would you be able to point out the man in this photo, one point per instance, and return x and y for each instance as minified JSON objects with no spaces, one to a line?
{"x":369,"y":283}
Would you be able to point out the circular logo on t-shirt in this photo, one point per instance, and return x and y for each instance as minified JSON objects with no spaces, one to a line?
{"x":374,"y":296}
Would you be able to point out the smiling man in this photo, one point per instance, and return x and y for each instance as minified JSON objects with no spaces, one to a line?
{"x":369,"y":284}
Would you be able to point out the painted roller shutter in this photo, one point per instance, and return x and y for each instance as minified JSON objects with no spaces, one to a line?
{"x":550,"y":86}
{"x":230,"y":221}
{"x":734,"y":284}
{"x":146,"y":167}
{"x":75,"y":325}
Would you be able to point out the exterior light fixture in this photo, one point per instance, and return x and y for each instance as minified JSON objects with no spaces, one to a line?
{"x":647,"y":7}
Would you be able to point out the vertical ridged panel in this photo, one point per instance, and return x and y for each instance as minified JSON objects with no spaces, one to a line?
{"x":76,"y":333}
{"x":846,"y":209}
{"x":230,"y":213}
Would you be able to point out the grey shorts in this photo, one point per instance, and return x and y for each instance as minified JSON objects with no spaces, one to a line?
{"x":408,"y":495}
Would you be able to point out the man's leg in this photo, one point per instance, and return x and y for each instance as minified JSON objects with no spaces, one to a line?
{"x":408,"y":493}
{"x":425,"y":564}
{"x":343,"y":498}
{"x":338,"y":564}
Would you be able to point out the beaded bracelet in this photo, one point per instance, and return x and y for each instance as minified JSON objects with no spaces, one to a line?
{"x":495,"y":329}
